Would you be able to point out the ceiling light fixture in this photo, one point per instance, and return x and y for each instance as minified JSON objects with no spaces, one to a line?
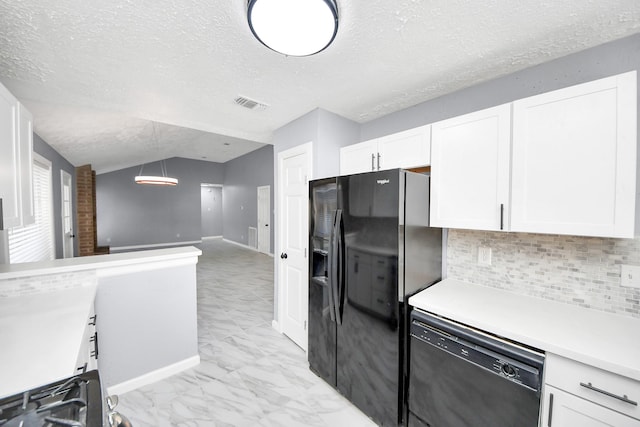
{"x":294,"y":27}
{"x":154,"y":179}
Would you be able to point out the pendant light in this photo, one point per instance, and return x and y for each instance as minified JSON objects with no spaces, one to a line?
{"x":154,"y":179}
{"x":294,"y":27}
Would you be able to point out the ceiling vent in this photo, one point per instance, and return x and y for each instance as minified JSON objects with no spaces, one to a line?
{"x":249,"y":103}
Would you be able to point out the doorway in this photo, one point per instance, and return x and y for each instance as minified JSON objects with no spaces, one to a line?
{"x":211,"y":210}
{"x":264,"y":219}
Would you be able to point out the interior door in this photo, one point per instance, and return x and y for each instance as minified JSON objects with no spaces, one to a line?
{"x":67,"y":214}
{"x":294,"y":168}
{"x":264,"y":219}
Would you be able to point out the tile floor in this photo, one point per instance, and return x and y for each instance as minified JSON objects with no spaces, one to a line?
{"x":249,"y":374}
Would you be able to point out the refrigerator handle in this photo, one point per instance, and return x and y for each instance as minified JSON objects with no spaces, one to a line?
{"x":340,"y":264}
{"x":332,"y":271}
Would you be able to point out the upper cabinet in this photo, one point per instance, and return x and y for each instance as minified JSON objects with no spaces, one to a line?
{"x":407,"y":149}
{"x":574,"y":160}
{"x":563,"y":162}
{"x":16,"y":161}
{"x":470,"y":170}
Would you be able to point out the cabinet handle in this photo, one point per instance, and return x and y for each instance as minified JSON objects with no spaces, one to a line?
{"x":550,"y":409}
{"x":623,"y":398}
{"x":373,"y":159}
{"x":82,"y":369}
{"x":92,"y":320}
{"x":501,"y":216}
{"x":378,"y":161}
{"x":94,"y":340}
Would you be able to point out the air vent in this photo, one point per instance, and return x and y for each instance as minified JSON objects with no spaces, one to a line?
{"x":249,"y":103}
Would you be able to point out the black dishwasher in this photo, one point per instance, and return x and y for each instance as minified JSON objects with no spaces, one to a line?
{"x":462,"y":377}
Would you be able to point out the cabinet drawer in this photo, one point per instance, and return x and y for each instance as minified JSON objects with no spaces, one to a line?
{"x":596,"y":385}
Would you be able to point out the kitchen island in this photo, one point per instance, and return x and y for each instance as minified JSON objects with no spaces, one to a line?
{"x":146,"y":322}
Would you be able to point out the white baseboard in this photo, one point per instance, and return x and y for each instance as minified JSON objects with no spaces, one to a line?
{"x":154,"y":245}
{"x":240,"y":244}
{"x":275,"y":325}
{"x":154,"y":376}
{"x":211,"y":237}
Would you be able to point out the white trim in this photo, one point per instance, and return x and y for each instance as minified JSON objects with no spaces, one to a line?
{"x":211,"y":237}
{"x":154,"y":376}
{"x":71,"y":206}
{"x":154,"y":245}
{"x":240,"y":244}
{"x":275,"y":325}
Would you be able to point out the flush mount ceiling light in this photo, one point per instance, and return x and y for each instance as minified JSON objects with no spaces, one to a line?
{"x":294,"y":27}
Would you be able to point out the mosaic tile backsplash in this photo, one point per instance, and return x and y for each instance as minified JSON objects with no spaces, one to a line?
{"x":46,"y":283}
{"x":584,"y":271}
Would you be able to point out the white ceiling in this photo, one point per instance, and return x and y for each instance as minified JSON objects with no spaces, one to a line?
{"x":97,"y":75}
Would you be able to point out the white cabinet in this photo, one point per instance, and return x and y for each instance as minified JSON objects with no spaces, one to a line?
{"x":576,"y":394}
{"x":566,"y":410}
{"x":16,"y":161}
{"x":563,"y":162}
{"x":574,"y":160}
{"x":407,"y":149}
{"x":470,"y":170}
{"x":88,"y":354}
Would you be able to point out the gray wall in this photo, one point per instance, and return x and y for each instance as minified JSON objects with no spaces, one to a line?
{"x":211,"y":210}
{"x":129,"y":214}
{"x":240,"y":195}
{"x":58,"y":163}
{"x":591,"y":64}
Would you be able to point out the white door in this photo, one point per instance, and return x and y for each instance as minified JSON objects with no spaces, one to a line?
{"x":294,"y":168}
{"x":67,"y":215}
{"x":264,"y":219}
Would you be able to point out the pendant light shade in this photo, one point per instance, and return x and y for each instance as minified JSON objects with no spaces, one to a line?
{"x":155,"y":180}
{"x":294,"y":27}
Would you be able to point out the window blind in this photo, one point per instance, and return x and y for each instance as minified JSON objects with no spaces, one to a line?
{"x":35,"y":242}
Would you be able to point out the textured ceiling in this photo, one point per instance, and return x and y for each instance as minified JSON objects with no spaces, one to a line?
{"x":96,"y":75}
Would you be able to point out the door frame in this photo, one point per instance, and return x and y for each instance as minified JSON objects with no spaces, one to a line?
{"x":64,"y":174}
{"x":307,"y":149}
{"x":266,"y":188}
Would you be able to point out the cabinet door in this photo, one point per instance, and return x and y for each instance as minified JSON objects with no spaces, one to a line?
{"x":562,"y":409}
{"x":25,"y":154}
{"x":358,"y":158}
{"x":9,"y":159}
{"x":470,"y":170}
{"x":408,"y":149}
{"x":574,"y":160}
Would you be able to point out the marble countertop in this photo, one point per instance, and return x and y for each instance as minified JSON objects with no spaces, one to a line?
{"x":41,"y":336}
{"x":596,"y":338}
{"x":10,"y":271}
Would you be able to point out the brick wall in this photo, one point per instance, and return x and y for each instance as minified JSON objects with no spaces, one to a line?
{"x":85,"y":205}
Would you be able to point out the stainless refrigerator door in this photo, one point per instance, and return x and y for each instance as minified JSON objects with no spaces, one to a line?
{"x":322,"y":240}
{"x":368,"y":353}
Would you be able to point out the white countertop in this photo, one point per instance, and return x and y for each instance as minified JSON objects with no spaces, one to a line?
{"x":41,"y":336}
{"x":596,"y":338}
{"x":10,"y":271}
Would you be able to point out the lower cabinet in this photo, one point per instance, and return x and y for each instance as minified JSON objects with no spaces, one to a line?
{"x":581,"y":395}
{"x":563,"y":409}
{"x":88,"y":354}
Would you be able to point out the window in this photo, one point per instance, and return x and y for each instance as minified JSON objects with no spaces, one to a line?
{"x":35,"y":242}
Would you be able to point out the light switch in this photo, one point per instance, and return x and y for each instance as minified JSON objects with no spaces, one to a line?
{"x":630,"y":276}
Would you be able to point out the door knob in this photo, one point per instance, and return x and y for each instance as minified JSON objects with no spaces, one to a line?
{"x":283,"y":255}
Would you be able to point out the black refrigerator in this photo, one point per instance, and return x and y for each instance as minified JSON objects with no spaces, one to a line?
{"x":371,"y":248}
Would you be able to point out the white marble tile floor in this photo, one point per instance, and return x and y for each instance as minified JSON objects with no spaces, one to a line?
{"x":249,"y":374}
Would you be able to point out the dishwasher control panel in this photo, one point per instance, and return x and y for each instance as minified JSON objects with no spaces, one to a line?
{"x":498,"y":357}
